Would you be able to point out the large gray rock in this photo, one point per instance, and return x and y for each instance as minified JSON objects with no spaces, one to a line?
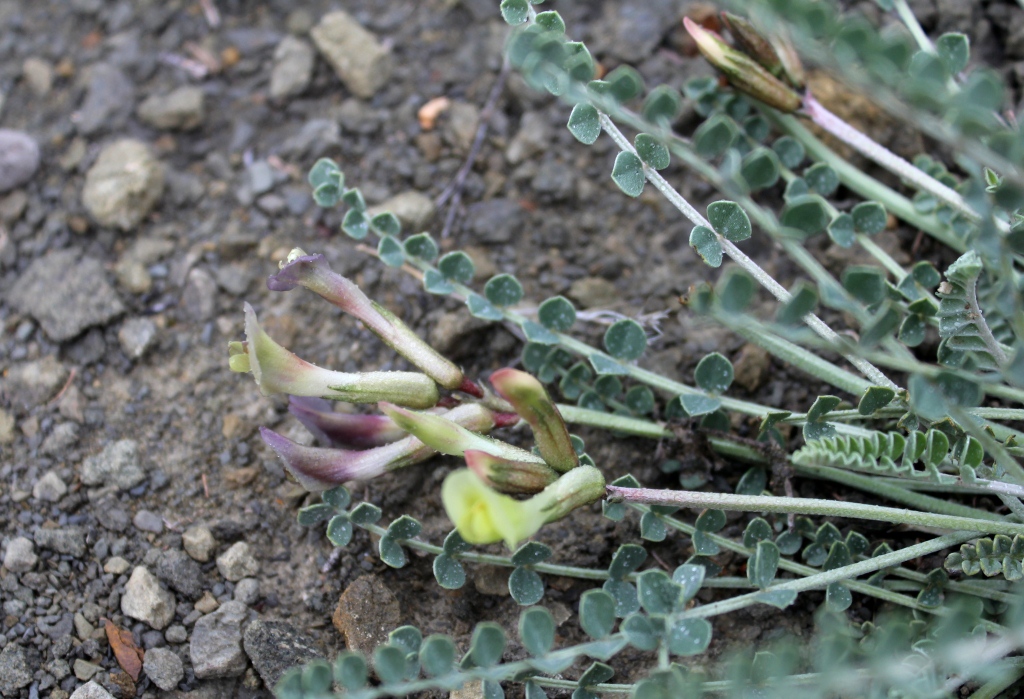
{"x":145,"y":600}
{"x":275,"y":646}
{"x":19,"y":158}
{"x":357,"y":57}
{"x":123,"y":185}
{"x":15,"y":670}
{"x":91,"y":690}
{"x":164,"y":667}
{"x":216,"y":646}
{"x":118,"y":464}
{"x":20,"y":556}
{"x":183,"y":109}
{"x":293,"y":68}
{"x":109,"y":101}
{"x":66,"y":293}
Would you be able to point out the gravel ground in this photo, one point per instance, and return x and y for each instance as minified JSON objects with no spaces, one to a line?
{"x":152,"y":161}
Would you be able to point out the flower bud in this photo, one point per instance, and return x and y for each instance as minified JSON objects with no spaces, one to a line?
{"x":507,"y":476}
{"x":450,"y":438}
{"x":532,"y":403}
{"x":317,"y":468}
{"x":345,"y":430}
{"x":313,"y":273}
{"x":277,"y":370}
{"x":742,"y":71}
{"x":752,"y":42}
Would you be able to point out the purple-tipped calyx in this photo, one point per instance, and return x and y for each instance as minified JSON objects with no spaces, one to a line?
{"x":277,"y":370}
{"x":526,"y":394}
{"x":313,"y":273}
{"x":507,"y":476}
{"x":345,"y":430}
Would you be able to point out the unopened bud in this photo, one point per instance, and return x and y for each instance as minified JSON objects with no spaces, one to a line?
{"x":532,"y":403}
{"x":752,"y":42}
{"x":507,"y":476}
{"x":345,"y":430}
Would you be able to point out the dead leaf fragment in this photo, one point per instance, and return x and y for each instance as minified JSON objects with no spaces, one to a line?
{"x":129,"y":656}
{"x":430,"y":111}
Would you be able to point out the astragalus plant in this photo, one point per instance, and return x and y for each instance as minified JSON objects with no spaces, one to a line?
{"x":921,"y":433}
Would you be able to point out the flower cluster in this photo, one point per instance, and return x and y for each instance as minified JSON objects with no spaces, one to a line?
{"x":414,"y":426}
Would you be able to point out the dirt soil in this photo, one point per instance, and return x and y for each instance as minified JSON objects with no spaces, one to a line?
{"x":134,"y":487}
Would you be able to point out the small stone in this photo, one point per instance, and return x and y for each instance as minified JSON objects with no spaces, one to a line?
{"x":91,"y":690}
{"x":216,"y":646}
{"x":108,"y":102}
{"x":123,"y":185}
{"x":207,"y":603}
{"x":6,"y":427}
{"x":199,"y":299}
{"x":182,"y":109}
{"x":751,"y":367}
{"x":50,"y":488}
{"x":199,"y":543}
{"x":145,"y":600}
{"x":533,"y":137}
{"x":60,"y":439}
{"x":133,"y":277}
{"x":495,"y":221}
{"x":180,"y":572}
{"x":362,"y":63}
{"x":594,"y":292}
{"x":414,"y":209}
{"x":247,"y":591}
{"x":463,"y":119}
{"x":84,"y":670}
{"x":34,"y":383}
{"x":38,"y":75}
{"x":21,"y":555}
{"x":116,"y":565}
{"x":13,"y":206}
{"x":19,"y":158}
{"x":83,"y":629}
{"x":66,"y":540}
{"x":136,"y":336}
{"x":176,"y":633}
{"x":164,"y":667}
{"x":237,"y":562}
{"x":147,"y":521}
{"x":275,"y":646}
{"x":66,"y":293}
{"x":491,"y":580}
{"x":15,"y":671}
{"x":293,"y":68}
{"x":470,"y":690}
{"x":366,"y":613}
{"x":118,"y":464}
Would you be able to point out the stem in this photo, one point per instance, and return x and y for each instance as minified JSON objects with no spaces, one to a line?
{"x":994,"y":688}
{"x":908,"y":18}
{"x":807,"y":506}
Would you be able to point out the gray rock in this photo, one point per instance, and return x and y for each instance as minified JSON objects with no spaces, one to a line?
{"x":275,"y":646}
{"x":66,"y":293}
{"x":637,"y":28}
{"x":247,"y":591}
{"x":109,"y":101}
{"x":60,"y":628}
{"x":50,"y":487}
{"x":164,"y":667}
{"x":118,"y":464}
{"x":145,"y":600}
{"x":593,"y":292}
{"x":494,"y":221}
{"x":91,"y":690}
{"x":20,"y":556}
{"x":362,"y":63}
{"x":61,"y":438}
{"x":84,"y":670}
{"x":34,"y":383}
{"x":111,"y":516}
{"x":237,"y":562}
{"x":554,"y":181}
{"x":147,"y":521}
{"x":461,"y":124}
{"x":176,"y":633}
{"x":533,"y":137}
{"x":316,"y":138}
{"x":182,"y":109}
{"x":38,"y":75}
{"x":199,"y":543}
{"x":19,"y":158}
{"x":181,"y":573}
{"x":6,"y":427}
{"x":66,"y":540}
{"x":123,"y":185}
{"x":216,"y":646}
{"x":136,"y":336}
{"x":414,"y":209}
{"x":293,"y":68}
{"x":15,"y":671}
{"x":199,"y":298}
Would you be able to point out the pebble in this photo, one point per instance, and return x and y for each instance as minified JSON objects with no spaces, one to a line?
{"x":247,"y":591}
{"x":413,"y":209}
{"x":118,"y":464}
{"x":36,"y":382}
{"x":19,"y":158}
{"x":50,"y":487}
{"x":60,"y":439}
{"x":91,"y":690}
{"x":164,"y":667}
{"x":594,"y":292}
{"x":180,"y":572}
{"x":6,"y":427}
{"x":116,"y":565}
{"x":216,"y":646}
{"x":199,"y":298}
{"x":533,"y":137}
{"x":275,"y":646}
{"x":207,"y":603}
{"x":362,"y":63}
{"x":15,"y":671}
{"x":199,"y":543}
{"x":21,"y":555}
{"x":367,"y":611}
{"x":123,"y":185}
{"x":751,"y":367}
{"x":38,"y":75}
{"x":66,"y":540}
{"x":147,"y":521}
{"x":145,"y":600}
{"x":66,"y":293}
{"x":495,"y":221}
{"x":293,"y":68}
{"x":84,"y":670}
{"x":176,"y":633}
{"x":83,"y":629}
{"x":237,"y":562}
{"x":181,"y":109}
{"x":460,"y":127}
{"x":109,"y":101}
{"x":136,"y":335}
